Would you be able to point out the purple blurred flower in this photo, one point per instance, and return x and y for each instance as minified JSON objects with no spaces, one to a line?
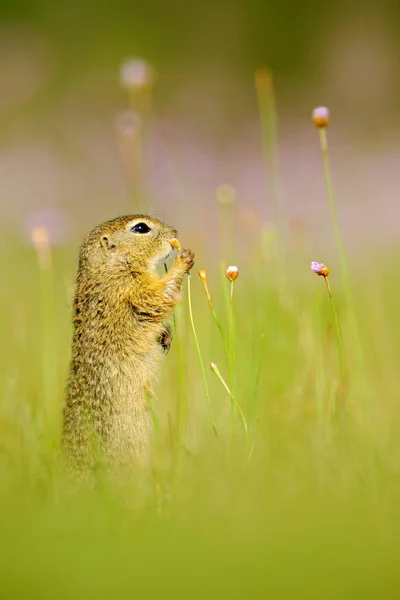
{"x":51,"y":220}
{"x":321,"y":116}
{"x":320,"y":268}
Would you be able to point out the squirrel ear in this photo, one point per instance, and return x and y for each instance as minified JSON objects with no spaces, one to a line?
{"x":107,"y":244}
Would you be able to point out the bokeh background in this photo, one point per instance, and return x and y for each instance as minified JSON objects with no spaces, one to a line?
{"x":62,"y":99}
{"x":312,"y":509}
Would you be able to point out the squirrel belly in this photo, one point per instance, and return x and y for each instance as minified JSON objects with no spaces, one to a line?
{"x":107,"y":397}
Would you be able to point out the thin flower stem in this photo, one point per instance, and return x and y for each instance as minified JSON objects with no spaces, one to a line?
{"x":214,"y":314}
{"x":40,"y":238}
{"x":203,"y":371}
{"x":182,"y":406}
{"x":269,"y":127}
{"x":230,"y":350}
{"x":140,"y":102}
{"x":339,"y":243}
{"x":235,"y":403}
{"x":337,"y":327}
{"x":332,"y":207}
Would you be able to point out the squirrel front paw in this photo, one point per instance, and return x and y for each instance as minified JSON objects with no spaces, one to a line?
{"x":184,"y":262}
{"x":186,"y":257}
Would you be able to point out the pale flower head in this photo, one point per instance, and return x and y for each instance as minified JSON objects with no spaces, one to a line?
{"x":320,"y":269}
{"x":40,"y":241}
{"x":232,"y":273}
{"x":40,"y":238}
{"x":136,"y":73}
{"x":46,"y":226}
{"x":321,"y":116}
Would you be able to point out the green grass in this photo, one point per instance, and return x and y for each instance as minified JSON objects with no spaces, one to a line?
{"x":313,"y":512}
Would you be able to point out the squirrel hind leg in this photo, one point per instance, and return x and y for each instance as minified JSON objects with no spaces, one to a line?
{"x":165,"y":338}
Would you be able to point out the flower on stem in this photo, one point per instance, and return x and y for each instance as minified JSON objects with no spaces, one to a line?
{"x":320,"y":269}
{"x":232,"y":273}
{"x":46,"y":226}
{"x":214,"y":368}
{"x":136,"y":74}
{"x":203,"y":277}
{"x":321,"y":116}
{"x":41,"y":242}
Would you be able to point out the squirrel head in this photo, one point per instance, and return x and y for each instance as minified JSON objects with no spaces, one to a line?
{"x":133,"y":243}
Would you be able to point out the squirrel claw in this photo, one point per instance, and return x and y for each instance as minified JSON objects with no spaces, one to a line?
{"x":187,"y":257}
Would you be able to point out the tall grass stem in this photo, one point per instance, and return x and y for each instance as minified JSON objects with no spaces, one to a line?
{"x":339,"y":243}
{"x":338,"y":333}
{"x":40,"y":238}
{"x":203,"y":278}
{"x":269,"y":128}
{"x":333,"y":211}
{"x":182,"y":404}
{"x":231,"y":351}
{"x":235,"y":403}
{"x":196,"y":341}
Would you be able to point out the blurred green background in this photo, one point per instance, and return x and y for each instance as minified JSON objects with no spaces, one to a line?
{"x":312,"y":510}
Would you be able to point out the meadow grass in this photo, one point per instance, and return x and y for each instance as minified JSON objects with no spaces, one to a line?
{"x":304,"y":503}
{"x":312,"y":510}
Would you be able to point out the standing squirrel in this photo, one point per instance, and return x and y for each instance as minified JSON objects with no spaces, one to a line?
{"x":121,"y":330}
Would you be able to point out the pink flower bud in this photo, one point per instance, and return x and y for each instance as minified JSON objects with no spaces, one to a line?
{"x":321,"y":116}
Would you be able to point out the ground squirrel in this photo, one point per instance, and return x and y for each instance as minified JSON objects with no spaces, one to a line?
{"x":120,"y":317}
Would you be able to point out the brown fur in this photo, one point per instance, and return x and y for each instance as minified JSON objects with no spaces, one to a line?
{"x":120,"y":334}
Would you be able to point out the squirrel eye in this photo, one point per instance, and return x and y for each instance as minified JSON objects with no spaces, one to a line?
{"x":141,"y":228}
